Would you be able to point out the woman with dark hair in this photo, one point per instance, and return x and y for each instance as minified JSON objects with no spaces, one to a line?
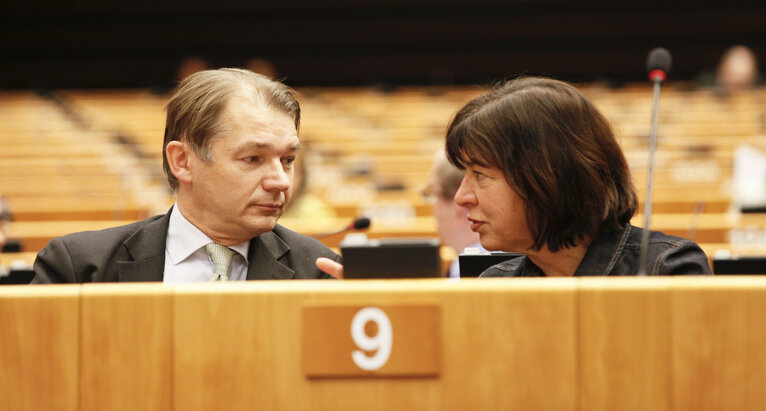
{"x":545,"y":176}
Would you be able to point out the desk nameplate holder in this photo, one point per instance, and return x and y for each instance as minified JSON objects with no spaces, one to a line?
{"x":386,"y":340}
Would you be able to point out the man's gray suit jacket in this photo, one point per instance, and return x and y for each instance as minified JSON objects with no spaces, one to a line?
{"x":136,"y":252}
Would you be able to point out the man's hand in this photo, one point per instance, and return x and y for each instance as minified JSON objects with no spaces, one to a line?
{"x":330,"y":267}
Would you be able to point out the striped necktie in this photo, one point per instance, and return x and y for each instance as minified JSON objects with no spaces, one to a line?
{"x":221,"y":256}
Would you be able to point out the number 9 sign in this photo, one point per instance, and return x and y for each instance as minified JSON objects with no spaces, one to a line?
{"x":328,"y":352}
{"x":381,"y":342}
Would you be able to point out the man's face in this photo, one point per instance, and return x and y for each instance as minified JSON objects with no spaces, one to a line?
{"x":243,"y":190}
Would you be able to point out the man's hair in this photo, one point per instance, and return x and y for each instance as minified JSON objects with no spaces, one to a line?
{"x":556,"y":150}
{"x":196,"y":106}
{"x":447,"y":175}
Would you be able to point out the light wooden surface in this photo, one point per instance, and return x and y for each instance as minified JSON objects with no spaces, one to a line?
{"x":36,"y":234}
{"x":73,"y":185}
{"x":624,"y":345}
{"x":39,"y":348}
{"x":126,"y":348}
{"x":589,"y":344}
{"x":23,"y":259}
{"x":719,"y":344}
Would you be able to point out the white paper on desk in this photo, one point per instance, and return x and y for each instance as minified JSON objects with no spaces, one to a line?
{"x":749,"y":177}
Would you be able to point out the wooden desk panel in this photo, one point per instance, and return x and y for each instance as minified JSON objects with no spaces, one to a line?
{"x":237,"y":348}
{"x":496,"y":358}
{"x":126,"y":347}
{"x":624,"y":350}
{"x":718,"y":343}
{"x":586,"y":343}
{"x":39,"y":347}
{"x":503,"y":322}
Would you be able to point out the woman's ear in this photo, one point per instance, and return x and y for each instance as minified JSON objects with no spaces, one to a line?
{"x":178,"y":155}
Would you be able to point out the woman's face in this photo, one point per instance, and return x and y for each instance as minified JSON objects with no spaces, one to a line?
{"x":495,"y":211}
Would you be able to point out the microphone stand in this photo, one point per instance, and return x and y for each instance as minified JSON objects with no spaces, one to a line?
{"x":644,"y":255}
{"x":358,"y":224}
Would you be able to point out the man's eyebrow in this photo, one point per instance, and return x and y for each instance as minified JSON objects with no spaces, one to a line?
{"x":263,"y":145}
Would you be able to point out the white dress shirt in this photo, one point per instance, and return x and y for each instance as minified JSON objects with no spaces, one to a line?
{"x":186,"y":259}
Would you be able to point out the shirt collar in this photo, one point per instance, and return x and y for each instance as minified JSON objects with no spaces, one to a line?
{"x":184,"y":238}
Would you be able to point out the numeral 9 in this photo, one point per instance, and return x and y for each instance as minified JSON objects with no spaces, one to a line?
{"x":381,"y":342}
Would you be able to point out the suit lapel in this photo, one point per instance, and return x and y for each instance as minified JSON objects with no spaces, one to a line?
{"x":146,"y":252}
{"x":145,"y":260}
{"x":265,"y":252}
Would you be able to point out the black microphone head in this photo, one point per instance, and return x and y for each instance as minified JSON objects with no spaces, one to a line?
{"x":659,"y":59}
{"x":361,"y":223}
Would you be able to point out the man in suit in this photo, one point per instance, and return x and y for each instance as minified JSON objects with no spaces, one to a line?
{"x":231,"y":138}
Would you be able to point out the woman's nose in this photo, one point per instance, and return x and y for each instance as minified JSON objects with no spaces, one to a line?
{"x":465,"y":197}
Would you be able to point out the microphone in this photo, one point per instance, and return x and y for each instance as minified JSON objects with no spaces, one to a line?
{"x":658,"y":65}
{"x":360,"y":223}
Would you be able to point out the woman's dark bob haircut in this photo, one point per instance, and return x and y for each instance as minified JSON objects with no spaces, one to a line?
{"x":556,"y":150}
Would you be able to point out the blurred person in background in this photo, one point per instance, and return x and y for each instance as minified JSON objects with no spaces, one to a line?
{"x":191,"y":65}
{"x":262,"y":66}
{"x":737,"y":69}
{"x":451,"y":220}
{"x":304,"y":204}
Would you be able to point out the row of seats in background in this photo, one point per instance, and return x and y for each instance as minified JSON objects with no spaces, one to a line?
{"x":80,"y":160}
